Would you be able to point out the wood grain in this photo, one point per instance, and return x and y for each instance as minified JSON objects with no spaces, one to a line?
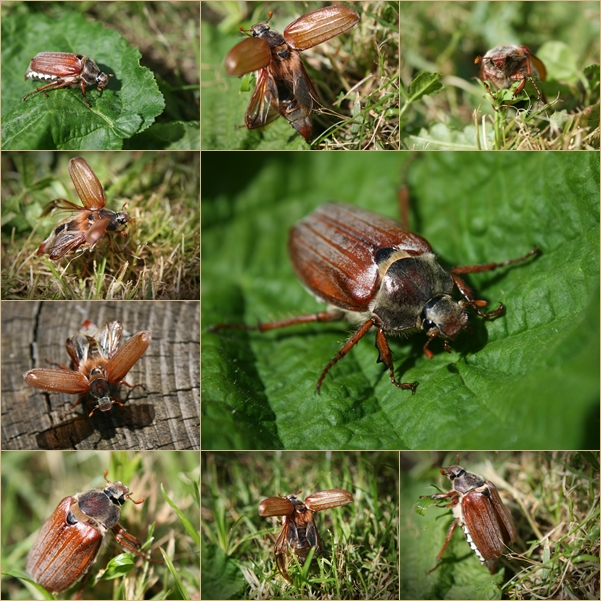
{"x":166,"y":415}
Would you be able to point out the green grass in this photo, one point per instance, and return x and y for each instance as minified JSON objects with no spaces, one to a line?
{"x":34,"y":483}
{"x":360,"y":559}
{"x":553,"y":498}
{"x":158,"y":259}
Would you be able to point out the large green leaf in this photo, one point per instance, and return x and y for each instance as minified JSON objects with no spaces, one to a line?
{"x":126,"y":107}
{"x":528,"y":379}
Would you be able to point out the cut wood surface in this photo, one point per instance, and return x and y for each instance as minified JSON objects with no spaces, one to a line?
{"x":164,"y":415}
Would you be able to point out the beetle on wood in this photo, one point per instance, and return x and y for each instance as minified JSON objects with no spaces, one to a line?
{"x":99,"y":366}
{"x":376,"y":275}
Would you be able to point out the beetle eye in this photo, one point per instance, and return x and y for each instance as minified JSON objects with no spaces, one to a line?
{"x":427,"y":325}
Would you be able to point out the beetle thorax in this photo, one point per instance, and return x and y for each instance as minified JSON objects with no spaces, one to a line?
{"x":408,"y":285}
{"x":262,"y":30}
{"x":463,"y":481}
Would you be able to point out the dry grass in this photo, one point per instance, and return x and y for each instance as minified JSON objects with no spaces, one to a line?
{"x":159,"y":257}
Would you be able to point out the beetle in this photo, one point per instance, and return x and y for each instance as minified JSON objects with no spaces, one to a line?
{"x":65,"y":69}
{"x":99,"y":365}
{"x":69,"y":541}
{"x":93,"y":220}
{"x":283,"y":86}
{"x":299,"y":531}
{"x":505,"y":65}
{"x":481,"y":513}
{"x":376,"y":275}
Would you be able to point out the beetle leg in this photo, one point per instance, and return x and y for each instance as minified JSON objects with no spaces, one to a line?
{"x":126,"y":540}
{"x":131,"y":386}
{"x":321,"y":316}
{"x":129,"y":542}
{"x":492,"y":266}
{"x":385,"y":356}
{"x":114,"y":401}
{"x":350,"y":343}
{"x":83,"y":91}
{"x":58,"y":365}
{"x":431,"y":337}
{"x":264,"y":327}
{"x":446,"y":495}
{"x":541,"y":96}
{"x":522,"y":79}
{"x":466,"y":291}
{"x":49,"y":87}
{"x":82,"y":396}
{"x":446,"y":543}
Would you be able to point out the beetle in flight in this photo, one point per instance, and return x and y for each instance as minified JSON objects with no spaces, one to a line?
{"x":92,"y":221}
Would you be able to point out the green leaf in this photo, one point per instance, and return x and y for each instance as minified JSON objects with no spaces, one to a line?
{"x":441,"y":137}
{"x":561,"y":62}
{"x":29,"y":582}
{"x":176,"y":135}
{"x":128,"y":105}
{"x":118,"y":566}
{"x":183,"y":519}
{"x":221,"y":577}
{"x":182,"y":593}
{"x":503,"y":386}
{"x":425,"y":84}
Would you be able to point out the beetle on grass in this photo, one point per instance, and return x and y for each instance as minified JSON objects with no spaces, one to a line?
{"x":504,"y":66}
{"x":70,"y":540}
{"x":299,"y":532}
{"x":479,"y":510}
{"x":283,"y":86}
{"x":92,"y":221}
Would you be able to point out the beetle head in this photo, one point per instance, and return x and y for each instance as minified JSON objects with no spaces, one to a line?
{"x":462,"y":481}
{"x":102,"y":81}
{"x":445,"y":315}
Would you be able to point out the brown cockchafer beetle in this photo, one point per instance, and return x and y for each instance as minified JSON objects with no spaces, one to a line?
{"x":504,"y":66}
{"x":99,"y":365}
{"x":69,"y":541}
{"x":376,"y":275}
{"x":92,"y":221}
{"x":283,"y":86}
{"x":65,"y":69}
{"x":479,"y":510}
{"x":299,"y":531}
